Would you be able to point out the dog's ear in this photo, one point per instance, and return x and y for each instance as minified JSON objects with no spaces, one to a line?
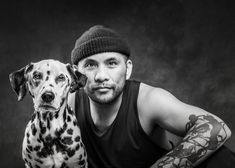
{"x":18,"y":81}
{"x":78,"y":79}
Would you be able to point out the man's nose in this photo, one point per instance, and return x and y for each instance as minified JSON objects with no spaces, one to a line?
{"x":101,"y":74}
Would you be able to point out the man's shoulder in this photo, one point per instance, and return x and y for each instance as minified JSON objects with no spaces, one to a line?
{"x":153,"y":98}
{"x":148,"y":92}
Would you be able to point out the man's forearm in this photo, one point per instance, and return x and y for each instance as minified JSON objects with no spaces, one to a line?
{"x":205,"y":134}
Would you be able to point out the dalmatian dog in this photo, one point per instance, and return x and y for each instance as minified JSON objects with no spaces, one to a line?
{"x":52,"y":136}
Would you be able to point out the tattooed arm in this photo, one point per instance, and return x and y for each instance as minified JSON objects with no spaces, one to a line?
{"x":203,"y":133}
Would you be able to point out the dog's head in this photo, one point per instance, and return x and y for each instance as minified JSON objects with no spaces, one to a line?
{"x":48,"y":82}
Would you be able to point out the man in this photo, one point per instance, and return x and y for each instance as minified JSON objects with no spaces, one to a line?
{"x":126,"y":123}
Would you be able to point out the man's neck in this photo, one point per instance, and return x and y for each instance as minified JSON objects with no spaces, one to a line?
{"x":103,"y":115}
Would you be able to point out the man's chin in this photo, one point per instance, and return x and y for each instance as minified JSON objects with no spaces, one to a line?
{"x":104,"y":99}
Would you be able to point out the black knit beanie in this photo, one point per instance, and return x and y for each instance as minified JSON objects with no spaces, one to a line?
{"x":98,"y":39}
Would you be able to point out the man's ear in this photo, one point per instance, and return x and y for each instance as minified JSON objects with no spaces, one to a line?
{"x":129,"y":67}
{"x":78,"y":79}
{"x":18,"y":81}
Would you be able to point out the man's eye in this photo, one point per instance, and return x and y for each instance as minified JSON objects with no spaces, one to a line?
{"x":89,"y":65}
{"x":61,"y":77}
{"x":37,"y":76}
{"x":112,"y":63}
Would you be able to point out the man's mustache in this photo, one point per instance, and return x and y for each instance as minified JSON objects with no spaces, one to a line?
{"x":103,"y":86}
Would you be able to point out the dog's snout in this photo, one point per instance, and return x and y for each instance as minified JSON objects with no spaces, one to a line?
{"x":48,"y":97}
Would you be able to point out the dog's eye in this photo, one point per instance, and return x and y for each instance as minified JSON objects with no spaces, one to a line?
{"x":37,"y":76}
{"x":61,"y":77}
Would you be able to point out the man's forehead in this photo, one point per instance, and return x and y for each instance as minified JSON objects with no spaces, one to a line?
{"x":103,"y":57}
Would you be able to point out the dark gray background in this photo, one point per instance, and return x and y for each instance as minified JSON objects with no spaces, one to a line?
{"x":186,"y":47}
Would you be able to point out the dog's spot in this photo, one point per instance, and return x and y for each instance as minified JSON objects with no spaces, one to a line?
{"x":28,"y":142}
{"x":39,"y":161}
{"x":70,"y":152}
{"x":48,"y":72}
{"x":42,"y":127}
{"x":47,"y":78}
{"x":50,"y":116}
{"x":27,"y":149}
{"x":81,"y":162}
{"x":27,"y":135}
{"x":30,"y":148}
{"x":70,"y":131}
{"x":34,"y":130}
{"x":49,"y":140}
{"x":57,"y":114}
{"x":60,"y":147}
{"x":25,"y":160}
{"x":65,"y":126}
{"x":36,"y":148}
{"x":51,"y":85}
{"x":43,"y":130}
{"x":48,"y":124}
{"x":64,"y":115}
{"x":29,"y":156}
{"x":77,"y":139}
{"x":39,"y":140}
{"x":40,"y":137}
{"x":37,"y":166}
{"x":62,"y":102}
{"x":68,"y":119}
{"x":75,"y":123}
{"x":63,"y":165}
{"x":59,"y":132}
{"x":44,"y":116}
{"x":77,"y":147}
{"x":67,"y":140}
{"x":45,"y":151}
{"x":30,"y":165}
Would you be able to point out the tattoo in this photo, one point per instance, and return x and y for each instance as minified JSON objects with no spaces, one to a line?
{"x":204,"y":133}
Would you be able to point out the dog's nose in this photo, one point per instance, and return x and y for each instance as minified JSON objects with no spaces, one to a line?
{"x":48,"y":97}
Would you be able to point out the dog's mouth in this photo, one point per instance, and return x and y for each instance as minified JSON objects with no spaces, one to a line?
{"x":47,"y":107}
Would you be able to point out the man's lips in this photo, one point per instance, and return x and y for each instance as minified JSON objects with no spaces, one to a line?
{"x":102,"y":88}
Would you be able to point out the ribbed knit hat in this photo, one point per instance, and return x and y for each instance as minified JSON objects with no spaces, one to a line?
{"x":96,"y":40}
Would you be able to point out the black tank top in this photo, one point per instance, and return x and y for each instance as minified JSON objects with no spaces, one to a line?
{"x":124,"y":144}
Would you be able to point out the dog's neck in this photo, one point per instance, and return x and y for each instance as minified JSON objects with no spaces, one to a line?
{"x":53,"y":123}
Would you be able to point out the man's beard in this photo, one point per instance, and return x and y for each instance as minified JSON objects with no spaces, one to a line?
{"x":115,"y":95}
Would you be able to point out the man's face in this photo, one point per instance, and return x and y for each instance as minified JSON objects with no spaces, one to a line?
{"x":106,"y":75}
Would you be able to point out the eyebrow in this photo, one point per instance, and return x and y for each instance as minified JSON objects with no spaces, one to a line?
{"x":89,"y":60}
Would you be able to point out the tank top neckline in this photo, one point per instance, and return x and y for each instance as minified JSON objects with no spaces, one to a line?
{"x":95,"y":130}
